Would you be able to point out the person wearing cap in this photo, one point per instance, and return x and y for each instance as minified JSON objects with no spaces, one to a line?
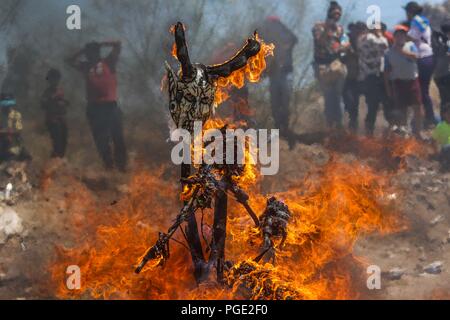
{"x":441,"y":48}
{"x":55,"y":107}
{"x":402,"y":80}
{"x":273,"y":30}
{"x":330,"y":44}
{"x":103,"y":112}
{"x":372,"y":47}
{"x":11,"y":146}
{"x":420,"y":32}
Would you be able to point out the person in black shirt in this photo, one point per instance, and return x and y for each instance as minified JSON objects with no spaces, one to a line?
{"x":55,"y":107}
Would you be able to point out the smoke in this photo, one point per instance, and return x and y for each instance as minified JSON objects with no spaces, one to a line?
{"x":437,"y":13}
{"x":143,"y":27}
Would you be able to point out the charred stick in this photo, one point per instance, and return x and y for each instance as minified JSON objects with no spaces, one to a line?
{"x":242,"y":198}
{"x":182,"y":52}
{"x":191,"y":231}
{"x":262,"y":254}
{"x":239,"y":61}
{"x":202,"y":224}
{"x":219,"y":233}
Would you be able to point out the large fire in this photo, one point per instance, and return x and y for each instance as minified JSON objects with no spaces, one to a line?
{"x":331,"y":210}
{"x":251,"y":72}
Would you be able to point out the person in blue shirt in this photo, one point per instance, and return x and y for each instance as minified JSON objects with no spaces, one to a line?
{"x":420,"y":33}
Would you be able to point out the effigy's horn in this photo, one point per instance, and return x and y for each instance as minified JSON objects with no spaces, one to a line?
{"x":182,"y":52}
{"x":240,"y":59}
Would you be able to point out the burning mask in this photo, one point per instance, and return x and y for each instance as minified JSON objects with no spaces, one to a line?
{"x":192,"y":91}
{"x":190,"y":99}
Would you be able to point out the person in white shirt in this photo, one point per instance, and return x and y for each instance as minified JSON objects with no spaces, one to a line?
{"x":420,"y":33}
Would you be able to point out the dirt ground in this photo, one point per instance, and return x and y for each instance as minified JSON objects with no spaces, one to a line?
{"x":423,"y":198}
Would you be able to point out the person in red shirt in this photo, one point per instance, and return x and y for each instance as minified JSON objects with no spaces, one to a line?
{"x":103,"y":112}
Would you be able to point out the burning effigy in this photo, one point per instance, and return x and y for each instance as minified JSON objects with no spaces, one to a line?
{"x":271,"y":151}
{"x":229,"y":240}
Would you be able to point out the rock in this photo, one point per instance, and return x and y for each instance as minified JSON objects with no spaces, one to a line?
{"x":436,"y":220}
{"x":392,"y":196}
{"x":123,"y":189}
{"x":415,"y":182}
{"x":395,"y":274}
{"x":433,"y":189}
{"x":10,"y":224}
{"x":434,"y":268}
{"x":389,"y":254}
{"x":422,"y":254}
{"x":5,"y":195}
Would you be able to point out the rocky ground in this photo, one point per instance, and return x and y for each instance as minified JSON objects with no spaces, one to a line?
{"x":415,"y":263}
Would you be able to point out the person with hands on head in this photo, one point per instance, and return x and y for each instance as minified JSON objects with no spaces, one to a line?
{"x":103,"y":112}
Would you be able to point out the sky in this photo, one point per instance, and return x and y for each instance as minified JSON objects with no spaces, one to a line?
{"x":391,"y":10}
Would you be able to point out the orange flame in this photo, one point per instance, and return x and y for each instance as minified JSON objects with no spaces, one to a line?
{"x":174,"y":51}
{"x":251,"y":72}
{"x":393,"y":150}
{"x":331,"y":211}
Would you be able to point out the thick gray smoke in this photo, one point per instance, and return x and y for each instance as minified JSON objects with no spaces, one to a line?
{"x":36,"y":32}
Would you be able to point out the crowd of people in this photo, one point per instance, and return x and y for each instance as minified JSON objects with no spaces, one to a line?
{"x":103,"y":113}
{"x":390,"y":70}
{"x":393,"y":71}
